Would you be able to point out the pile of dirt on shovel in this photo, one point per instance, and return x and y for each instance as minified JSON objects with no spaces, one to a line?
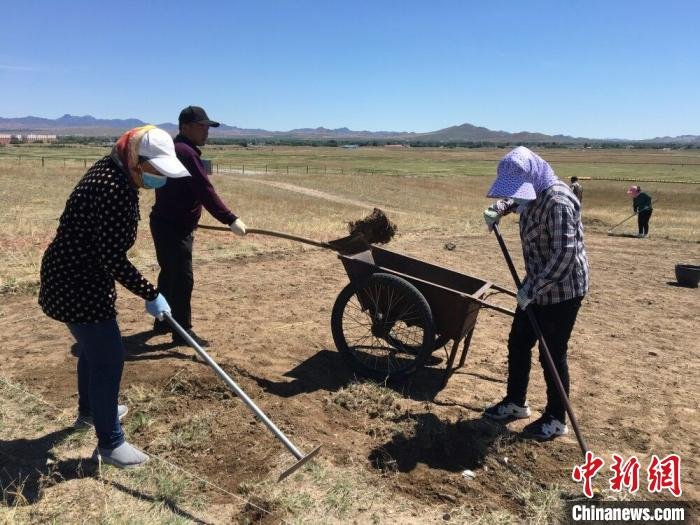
{"x":376,"y":228}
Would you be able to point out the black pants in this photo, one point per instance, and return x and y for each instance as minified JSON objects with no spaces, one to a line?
{"x":557,"y":322}
{"x":175,"y":280}
{"x":643,"y":221}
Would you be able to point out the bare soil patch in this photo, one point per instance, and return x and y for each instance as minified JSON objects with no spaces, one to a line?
{"x":633,"y":360}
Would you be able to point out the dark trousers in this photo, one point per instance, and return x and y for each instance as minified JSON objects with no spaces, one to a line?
{"x":100,"y":365}
{"x":556,"y":322}
{"x":643,"y":221}
{"x":175,"y":280}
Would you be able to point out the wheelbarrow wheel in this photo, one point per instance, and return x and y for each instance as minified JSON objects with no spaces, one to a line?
{"x":440,"y":341}
{"x":383,"y":326}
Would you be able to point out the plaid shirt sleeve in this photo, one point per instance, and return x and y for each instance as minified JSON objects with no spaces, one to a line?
{"x":504,"y":206}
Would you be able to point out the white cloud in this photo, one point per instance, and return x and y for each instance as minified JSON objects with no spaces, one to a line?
{"x":8,"y":67}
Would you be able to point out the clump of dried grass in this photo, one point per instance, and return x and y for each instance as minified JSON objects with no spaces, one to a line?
{"x":375,"y":228}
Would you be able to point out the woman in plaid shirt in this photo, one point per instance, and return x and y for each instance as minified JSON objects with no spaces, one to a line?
{"x":557,"y":280}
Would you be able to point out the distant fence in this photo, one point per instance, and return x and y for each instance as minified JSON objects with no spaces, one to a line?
{"x":212,"y":167}
{"x":66,"y":162}
{"x":265,"y":169}
{"x":627,"y":179}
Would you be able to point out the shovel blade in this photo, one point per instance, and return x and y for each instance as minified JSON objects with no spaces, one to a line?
{"x":350,"y":245}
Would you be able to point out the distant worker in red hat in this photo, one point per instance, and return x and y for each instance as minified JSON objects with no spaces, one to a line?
{"x":175,"y":215}
{"x":641,"y":204}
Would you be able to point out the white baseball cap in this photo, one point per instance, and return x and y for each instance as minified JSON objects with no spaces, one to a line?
{"x":157,"y":146}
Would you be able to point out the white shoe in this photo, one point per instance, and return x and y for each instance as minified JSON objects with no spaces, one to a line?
{"x":123,"y":456}
{"x":506,"y":409}
{"x":546,"y":427}
{"x":87,"y":421}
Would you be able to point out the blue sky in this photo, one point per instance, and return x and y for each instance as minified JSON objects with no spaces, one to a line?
{"x":584,"y":68}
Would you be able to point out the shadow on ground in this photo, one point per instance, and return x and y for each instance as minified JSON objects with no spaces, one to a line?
{"x":443,"y":445}
{"x":29,"y":467}
{"x":138,"y":348}
{"x":328,"y":370}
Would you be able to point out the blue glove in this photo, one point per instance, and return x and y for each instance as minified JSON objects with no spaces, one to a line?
{"x":157,"y":307}
{"x":522,"y":298}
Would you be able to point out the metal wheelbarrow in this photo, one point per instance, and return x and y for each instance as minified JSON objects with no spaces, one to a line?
{"x":397,"y":310}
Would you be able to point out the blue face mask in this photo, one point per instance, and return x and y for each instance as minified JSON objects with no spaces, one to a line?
{"x":151,"y":181}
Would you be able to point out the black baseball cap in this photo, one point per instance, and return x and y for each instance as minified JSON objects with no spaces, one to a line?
{"x":196,"y":114}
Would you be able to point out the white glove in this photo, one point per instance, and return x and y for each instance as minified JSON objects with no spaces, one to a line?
{"x":522,"y":298}
{"x":491,"y":217}
{"x":238,"y":227}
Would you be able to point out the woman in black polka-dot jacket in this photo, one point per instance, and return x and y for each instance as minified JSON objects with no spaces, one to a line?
{"x":82,"y":263}
{"x":89,"y":252}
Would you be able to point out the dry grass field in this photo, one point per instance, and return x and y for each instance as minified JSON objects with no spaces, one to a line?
{"x":391,"y":453}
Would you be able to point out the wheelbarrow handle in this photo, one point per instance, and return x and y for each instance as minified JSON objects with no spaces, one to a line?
{"x":495,"y":307}
{"x":545,"y":349}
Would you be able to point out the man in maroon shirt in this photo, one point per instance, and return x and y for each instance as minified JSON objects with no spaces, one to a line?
{"x":175,"y":216}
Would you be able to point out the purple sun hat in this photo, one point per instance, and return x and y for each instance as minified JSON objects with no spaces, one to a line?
{"x":522,"y":174}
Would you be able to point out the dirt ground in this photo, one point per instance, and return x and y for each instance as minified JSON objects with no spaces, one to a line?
{"x":633,"y":359}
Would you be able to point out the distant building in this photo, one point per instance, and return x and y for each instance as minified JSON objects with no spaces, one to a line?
{"x":351,"y":146}
{"x":16,"y":138}
{"x":39,"y":138}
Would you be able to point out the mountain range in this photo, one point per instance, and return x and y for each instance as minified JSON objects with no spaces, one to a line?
{"x":88,"y":125}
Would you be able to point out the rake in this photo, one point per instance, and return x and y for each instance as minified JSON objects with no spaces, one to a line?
{"x":300,"y":457}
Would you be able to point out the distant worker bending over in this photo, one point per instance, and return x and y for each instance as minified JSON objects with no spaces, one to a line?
{"x":641,"y":205}
{"x":175,"y":216}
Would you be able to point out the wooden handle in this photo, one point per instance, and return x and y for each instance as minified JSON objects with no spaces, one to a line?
{"x":271,"y":233}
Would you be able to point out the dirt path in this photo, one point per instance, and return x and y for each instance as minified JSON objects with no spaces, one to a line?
{"x":320,"y":194}
{"x":633,"y":358}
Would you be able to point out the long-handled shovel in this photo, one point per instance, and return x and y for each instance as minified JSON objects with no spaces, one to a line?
{"x":543,"y":344}
{"x":374,"y":228}
{"x":345,"y":245}
{"x":301,"y":458}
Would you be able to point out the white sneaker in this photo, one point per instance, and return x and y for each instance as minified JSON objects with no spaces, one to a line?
{"x":506,"y":409}
{"x":546,"y":427}
{"x":87,"y":421}
{"x":123,"y":456}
